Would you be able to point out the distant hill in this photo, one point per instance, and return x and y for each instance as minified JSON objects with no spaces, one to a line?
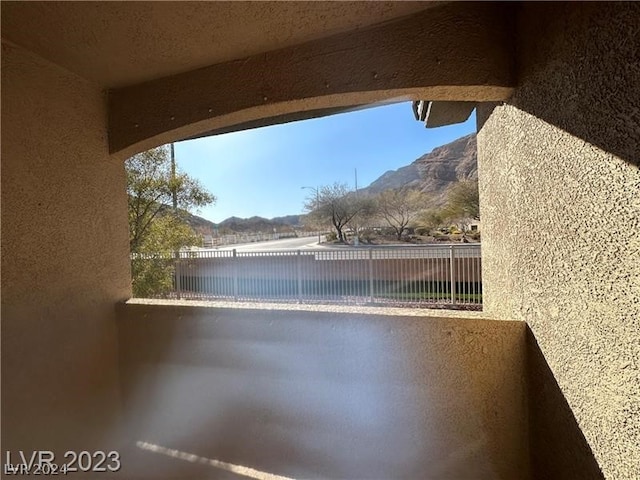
{"x":293,"y":220}
{"x":435,"y":172}
{"x":199,"y":224}
{"x":260,"y":225}
{"x":239,"y":225}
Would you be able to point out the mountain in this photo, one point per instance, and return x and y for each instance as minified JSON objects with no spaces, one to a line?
{"x":260,"y":225}
{"x":393,"y":179}
{"x":236,"y":224}
{"x":435,"y":172}
{"x":199,"y":224}
{"x":293,"y":220}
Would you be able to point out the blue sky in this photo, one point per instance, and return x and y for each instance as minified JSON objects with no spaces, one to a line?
{"x":261,"y":171}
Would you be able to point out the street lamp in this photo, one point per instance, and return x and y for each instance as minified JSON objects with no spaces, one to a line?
{"x":317,"y":203}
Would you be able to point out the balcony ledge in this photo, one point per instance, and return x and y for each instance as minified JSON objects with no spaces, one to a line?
{"x":324,"y":308}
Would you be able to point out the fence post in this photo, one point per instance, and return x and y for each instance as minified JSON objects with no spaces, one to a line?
{"x":299,"y":265}
{"x":178,"y":273}
{"x":370,"y":275}
{"x":235,"y":274}
{"x":452,"y":280}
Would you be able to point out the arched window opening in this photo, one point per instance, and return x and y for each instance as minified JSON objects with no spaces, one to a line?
{"x":362,"y":207}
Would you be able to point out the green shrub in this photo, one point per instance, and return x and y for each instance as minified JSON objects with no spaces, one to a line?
{"x":331,"y":237}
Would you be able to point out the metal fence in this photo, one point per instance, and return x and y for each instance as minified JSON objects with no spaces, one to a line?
{"x":219,"y":240}
{"x":439,"y":275}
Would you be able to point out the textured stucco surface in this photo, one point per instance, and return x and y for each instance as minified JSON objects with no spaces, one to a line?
{"x":560,"y":193}
{"x":470,"y":45}
{"x":309,"y":394}
{"x":557,"y":447}
{"x":64,"y":259}
{"x":121,"y":43}
{"x":337,"y":309}
{"x":560,"y":207}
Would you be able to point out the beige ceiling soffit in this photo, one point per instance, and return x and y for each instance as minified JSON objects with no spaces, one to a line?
{"x":116,"y":44}
{"x":459,"y":51}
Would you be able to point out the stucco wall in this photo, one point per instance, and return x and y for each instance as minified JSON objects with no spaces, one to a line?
{"x":64,"y":259}
{"x":560,"y":207}
{"x":470,"y":43}
{"x":323,"y":394}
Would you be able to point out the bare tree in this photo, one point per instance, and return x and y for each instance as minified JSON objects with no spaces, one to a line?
{"x":400,"y":208}
{"x":367,"y":212}
{"x":336,"y":204}
{"x":430,"y":219}
{"x":464,"y":200}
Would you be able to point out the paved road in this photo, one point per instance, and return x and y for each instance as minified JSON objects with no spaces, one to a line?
{"x":331,"y":252}
{"x":283,"y":244}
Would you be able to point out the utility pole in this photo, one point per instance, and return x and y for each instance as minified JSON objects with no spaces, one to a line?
{"x":174,"y":196}
{"x":174,"y":193}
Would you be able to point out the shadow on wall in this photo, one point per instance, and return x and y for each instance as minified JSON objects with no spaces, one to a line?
{"x":264,"y":390}
{"x":558,"y":448}
{"x":320,"y":394}
{"x":589,"y":81}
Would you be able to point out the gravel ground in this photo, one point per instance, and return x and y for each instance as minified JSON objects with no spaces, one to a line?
{"x":363,"y":309}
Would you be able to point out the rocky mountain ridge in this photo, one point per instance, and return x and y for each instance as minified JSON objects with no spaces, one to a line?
{"x":433,"y":173}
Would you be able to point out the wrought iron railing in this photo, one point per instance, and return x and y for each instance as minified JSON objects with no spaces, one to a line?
{"x":438,"y":275}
